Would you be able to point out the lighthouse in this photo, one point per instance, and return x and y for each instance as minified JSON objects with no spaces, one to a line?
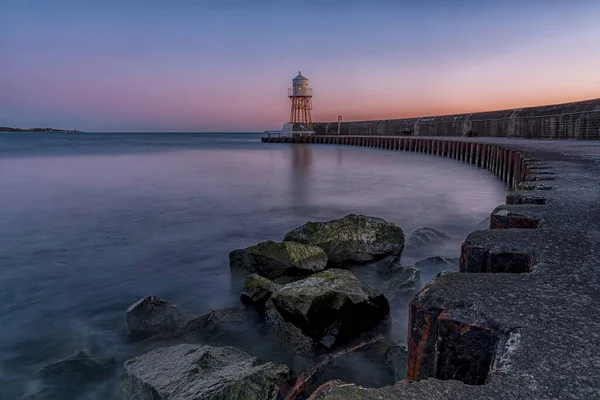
{"x":301,"y":96}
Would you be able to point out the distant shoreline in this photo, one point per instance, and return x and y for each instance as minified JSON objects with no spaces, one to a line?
{"x":8,"y":129}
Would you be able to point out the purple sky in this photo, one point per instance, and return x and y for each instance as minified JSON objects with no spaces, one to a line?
{"x":107,"y":65}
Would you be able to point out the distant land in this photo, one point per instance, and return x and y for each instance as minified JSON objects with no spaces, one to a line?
{"x":9,"y":129}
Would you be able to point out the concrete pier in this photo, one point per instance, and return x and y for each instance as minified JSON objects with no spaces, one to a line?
{"x":519,"y":320}
{"x":577,"y":120}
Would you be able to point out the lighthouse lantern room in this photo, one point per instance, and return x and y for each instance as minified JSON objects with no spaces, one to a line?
{"x":301,"y":96}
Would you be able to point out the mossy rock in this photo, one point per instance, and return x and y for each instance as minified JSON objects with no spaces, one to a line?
{"x":257,"y":289}
{"x":278,"y":259}
{"x":352,"y":239}
{"x":325,"y":310}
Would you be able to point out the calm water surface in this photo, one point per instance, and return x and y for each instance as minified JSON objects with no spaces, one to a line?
{"x":90,"y":223}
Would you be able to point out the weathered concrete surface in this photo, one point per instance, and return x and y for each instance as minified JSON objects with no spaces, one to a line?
{"x":577,"y":120}
{"x":519,"y":321}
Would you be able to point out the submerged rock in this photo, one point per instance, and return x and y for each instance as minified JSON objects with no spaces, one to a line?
{"x":424,"y":239}
{"x":353,"y":238}
{"x":278,"y":259}
{"x":395,"y":358}
{"x":81,"y":366}
{"x":387,"y":265}
{"x":324,"y":310}
{"x":437,"y":264}
{"x":152,"y":316}
{"x":228,"y":321}
{"x":405,"y":282}
{"x":191,"y":372}
{"x":257,"y":289}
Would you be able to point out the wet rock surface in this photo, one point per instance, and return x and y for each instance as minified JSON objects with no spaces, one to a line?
{"x":275,"y":260}
{"x":221,"y":324}
{"x":402,"y":283}
{"x":438,"y":264}
{"x":386,"y":265}
{"x":256,"y":290}
{"x":81,"y":366}
{"x":152,"y":316}
{"x":191,"y":372}
{"x":395,"y":358}
{"x":352,"y":239}
{"x":425,"y":239}
{"x":326,"y":309}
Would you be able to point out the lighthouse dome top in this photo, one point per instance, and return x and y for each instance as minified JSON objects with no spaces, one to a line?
{"x":300,"y":77}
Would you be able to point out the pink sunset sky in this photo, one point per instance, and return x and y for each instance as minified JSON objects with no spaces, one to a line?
{"x":189,"y":66}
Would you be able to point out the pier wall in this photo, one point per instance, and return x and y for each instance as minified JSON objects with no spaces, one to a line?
{"x":514,"y":322}
{"x":578,"y":120}
{"x":509,"y":165}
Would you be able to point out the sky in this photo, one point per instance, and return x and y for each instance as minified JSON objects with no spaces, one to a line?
{"x":220,"y":65}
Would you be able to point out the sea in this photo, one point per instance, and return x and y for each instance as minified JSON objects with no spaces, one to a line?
{"x":92,"y":222}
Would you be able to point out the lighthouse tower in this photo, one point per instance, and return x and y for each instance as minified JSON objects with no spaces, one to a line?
{"x":301,"y":96}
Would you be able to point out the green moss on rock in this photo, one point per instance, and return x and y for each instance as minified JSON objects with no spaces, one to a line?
{"x":257,"y":289}
{"x":324,"y":310}
{"x":277,"y":259}
{"x":353,"y":238}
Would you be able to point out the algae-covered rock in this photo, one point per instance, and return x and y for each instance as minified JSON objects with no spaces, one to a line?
{"x":257,"y":289}
{"x":324,"y":310}
{"x":152,"y":316}
{"x":425,"y":239}
{"x":277,"y":259}
{"x":353,"y":238}
{"x":192,"y":372}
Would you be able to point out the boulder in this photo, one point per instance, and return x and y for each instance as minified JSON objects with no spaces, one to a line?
{"x":324,"y":310}
{"x":228,"y":321}
{"x":257,"y":290}
{"x":81,"y":366}
{"x":352,"y":239}
{"x":152,"y":316}
{"x":437,"y":264}
{"x":424,"y":239}
{"x":191,"y":372}
{"x":386,"y":265}
{"x":279,"y":259}
{"x":395,"y":358}
{"x":404,"y":283}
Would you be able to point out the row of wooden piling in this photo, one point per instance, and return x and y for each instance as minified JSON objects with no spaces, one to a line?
{"x":508,"y":165}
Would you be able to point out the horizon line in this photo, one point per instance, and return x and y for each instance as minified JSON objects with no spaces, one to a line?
{"x":325,"y":122}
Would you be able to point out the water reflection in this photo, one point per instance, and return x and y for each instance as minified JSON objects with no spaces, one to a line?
{"x":301,"y":169}
{"x":340,"y":154}
{"x":95,"y":222}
